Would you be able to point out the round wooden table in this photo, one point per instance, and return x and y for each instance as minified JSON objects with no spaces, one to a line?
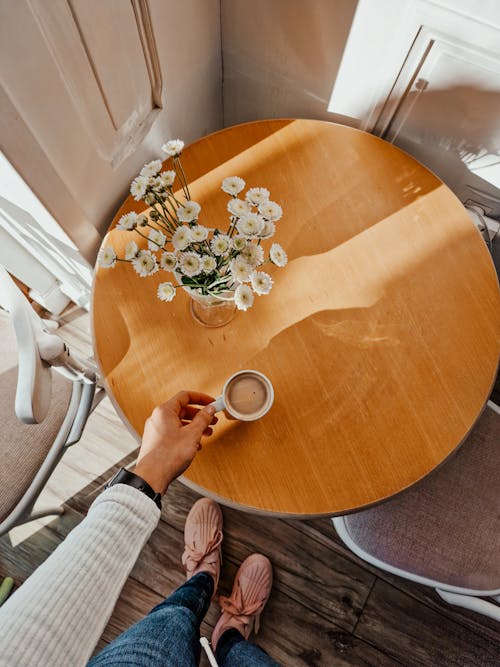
{"x":381,"y":336}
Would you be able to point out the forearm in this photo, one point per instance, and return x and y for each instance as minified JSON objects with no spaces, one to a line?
{"x":59,"y":613}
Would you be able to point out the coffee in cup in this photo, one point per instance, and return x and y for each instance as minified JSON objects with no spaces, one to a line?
{"x":247,"y":395}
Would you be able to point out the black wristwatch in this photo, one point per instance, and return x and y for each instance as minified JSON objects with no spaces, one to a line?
{"x":124,"y":476}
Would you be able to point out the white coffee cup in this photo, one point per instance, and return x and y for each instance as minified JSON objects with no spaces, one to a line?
{"x":247,"y":395}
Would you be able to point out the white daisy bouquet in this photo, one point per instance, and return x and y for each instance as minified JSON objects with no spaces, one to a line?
{"x":209,"y":262}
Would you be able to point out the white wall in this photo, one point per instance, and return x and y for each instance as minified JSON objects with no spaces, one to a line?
{"x":281,"y":57}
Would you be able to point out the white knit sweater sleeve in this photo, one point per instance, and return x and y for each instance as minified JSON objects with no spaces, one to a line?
{"x":58,"y":615}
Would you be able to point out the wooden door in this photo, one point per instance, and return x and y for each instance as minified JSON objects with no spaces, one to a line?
{"x":90,"y":89}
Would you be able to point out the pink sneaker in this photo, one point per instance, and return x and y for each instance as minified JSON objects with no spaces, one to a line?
{"x":202,"y":538}
{"x":251,"y":589}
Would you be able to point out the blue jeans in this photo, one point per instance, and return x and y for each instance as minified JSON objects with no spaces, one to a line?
{"x":169,"y":636}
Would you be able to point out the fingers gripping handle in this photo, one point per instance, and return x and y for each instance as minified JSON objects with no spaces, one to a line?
{"x":218,"y":403}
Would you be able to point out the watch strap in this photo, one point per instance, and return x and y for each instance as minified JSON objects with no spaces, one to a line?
{"x":124,"y":476}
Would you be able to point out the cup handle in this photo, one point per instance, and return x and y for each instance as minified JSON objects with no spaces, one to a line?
{"x":218,"y":403}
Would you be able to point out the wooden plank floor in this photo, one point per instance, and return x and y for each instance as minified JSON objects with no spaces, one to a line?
{"x":327,"y":607}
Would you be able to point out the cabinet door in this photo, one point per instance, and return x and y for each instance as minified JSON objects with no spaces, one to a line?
{"x":431,"y":86}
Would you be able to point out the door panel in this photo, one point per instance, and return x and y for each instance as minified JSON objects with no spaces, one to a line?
{"x":445,"y":110}
{"x":429,"y":81}
{"x":90,"y":89}
{"x":94,"y":61}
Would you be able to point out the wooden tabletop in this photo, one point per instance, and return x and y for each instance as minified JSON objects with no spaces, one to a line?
{"x":381,"y":336}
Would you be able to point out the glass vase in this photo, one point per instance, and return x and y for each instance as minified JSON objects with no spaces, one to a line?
{"x":210,"y":311}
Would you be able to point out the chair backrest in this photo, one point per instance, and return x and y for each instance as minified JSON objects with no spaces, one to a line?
{"x":38,"y":350}
{"x":34,"y":375}
{"x":53,"y":407}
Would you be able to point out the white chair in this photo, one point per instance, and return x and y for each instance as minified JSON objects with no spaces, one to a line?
{"x":42,"y":412}
{"x":444,"y":531}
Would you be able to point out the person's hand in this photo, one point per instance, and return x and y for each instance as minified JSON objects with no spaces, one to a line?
{"x":172,"y":436}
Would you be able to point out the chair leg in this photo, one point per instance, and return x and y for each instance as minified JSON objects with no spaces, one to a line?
{"x":98,"y":396}
{"x":471,"y":602}
{"x":49,"y":511}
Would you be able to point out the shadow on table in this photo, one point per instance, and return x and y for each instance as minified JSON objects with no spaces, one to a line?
{"x":421,"y":351}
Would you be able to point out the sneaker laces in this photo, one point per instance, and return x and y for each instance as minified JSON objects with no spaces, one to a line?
{"x":234,"y":606}
{"x":192,"y":557}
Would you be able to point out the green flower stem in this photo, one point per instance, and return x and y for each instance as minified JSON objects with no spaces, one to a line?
{"x":172,"y":196}
{"x":162,"y":228}
{"x":159,"y":202}
{"x":185,"y":183}
{"x":167,"y":226}
{"x":167,"y":216}
{"x":219,"y":282}
{"x":144,"y":237}
{"x":165,"y":220}
{"x":179,"y":175}
{"x":173,"y":213}
{"x":218,"y":296}
{"x":185,"y":179}
{"x":162,"y":225}
{"x":171,"y":217}
{"x":232,"y":226}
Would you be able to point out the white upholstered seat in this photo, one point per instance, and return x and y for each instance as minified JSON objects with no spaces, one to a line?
{"x":445,"y":530}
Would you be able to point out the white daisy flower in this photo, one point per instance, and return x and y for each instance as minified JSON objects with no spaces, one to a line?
{"x":127,"y":221}
{"x":208,"y":263}
{"x":138,"y":187}
{"x":167,"y":178}
{"x":233,"y":185}
{"x":166,"y":291}
{"x":267,"y":230}
{"x":250,"y":225}
{"x":156,"y":184}
{"x":107,"y":257}
{"x":132,"y":250}
{"x":190,"y":264}
{"x":151,"y":168}
{"x":271,"y":210}
{"x":145,"y":263}
{"x":168,"y":261}
{"x":157,"y":239}
{"x":181,"y":238}
{"x":239,"y":242}
{"x":240,"y":270}
{"x":199,"y":233}
{"x":173,"y":147}
{"x":220,"y":244}
{"x":150,"y":199}
{"x":238,"y":207}
{"x":243,"y":297}
{"x":257,"y":196}
{"x":262,"y":282}
{"x":278,"y":255}
{"x":253,"y":254}
{"x":189,"y":211}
